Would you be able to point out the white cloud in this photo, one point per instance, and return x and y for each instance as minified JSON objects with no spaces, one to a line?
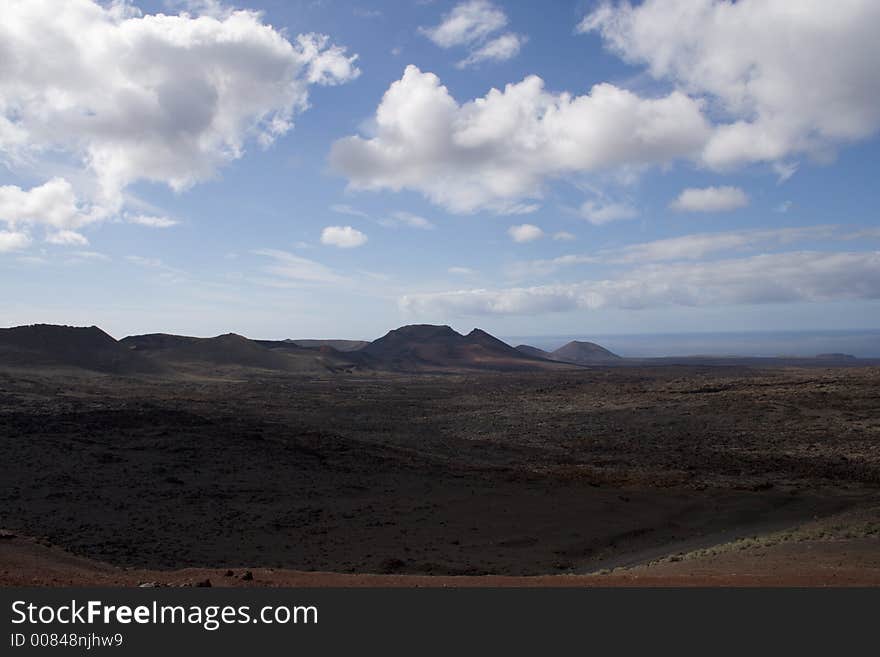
{"x":710,"y":199}
{"x":536,"y":268}
{"x":771,"y":278}
{"x":699,"y":245}
{"x":499,"y":49}
{"x":603,"y":213}
{"x":684,"y":248}
{"x":468,"y":22}
{"x":564,"y":236}
{"x":13,"y":241}
{"x":471,"y":24}
{"x":864,"y":233}
{"x":342,"y":208}
{"x":150,"y":221}
{"x":784,"y":170}
{"x":525,"y":233}
{"x":90,"y":255}
{"x":328,"y":65}
{"x":407,"y":219}
{"x":786,"y":77}
{"x":462,"y":271}
{"x":67,"y":238}
{"x":345,"y":237}
{"x":295,"y":268}
{"x":52,"y":204}
{"x":495,"y":151}
{"x":161,"y":98}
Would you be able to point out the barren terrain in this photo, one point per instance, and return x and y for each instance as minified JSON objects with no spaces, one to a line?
{"x":572,"y":473}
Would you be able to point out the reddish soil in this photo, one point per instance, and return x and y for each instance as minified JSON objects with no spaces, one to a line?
{"x":25,"y":562}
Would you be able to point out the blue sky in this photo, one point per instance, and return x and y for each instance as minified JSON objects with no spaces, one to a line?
{"x":648,"y":170}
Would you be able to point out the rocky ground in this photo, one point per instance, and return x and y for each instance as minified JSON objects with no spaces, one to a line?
{"x":515,"y":474}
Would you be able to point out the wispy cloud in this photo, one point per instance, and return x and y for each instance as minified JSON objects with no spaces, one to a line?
{"x":769,"y":278}
{"x":599,"y":213}
{"x":406,"y":219}
{"x":472,"y":24}
{"x":686,"y":247}
{"x":151,"y":221}
{"x":342,"y":208}
{"x":296,"y":268}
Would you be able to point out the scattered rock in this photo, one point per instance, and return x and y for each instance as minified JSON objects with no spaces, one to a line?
{"x":228,"y":573}
{"x":148,"y":585}
{"x":205,"y":583}
{"x":248,"y":576}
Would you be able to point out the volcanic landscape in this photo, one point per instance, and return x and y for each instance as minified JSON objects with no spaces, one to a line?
{"x":428,"y":456}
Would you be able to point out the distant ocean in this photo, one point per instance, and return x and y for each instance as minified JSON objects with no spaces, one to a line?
{"x":862,"y":344}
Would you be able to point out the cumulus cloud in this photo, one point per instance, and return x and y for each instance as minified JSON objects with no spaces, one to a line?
{"x":710,"y":199}
{"x":493,"y":152}
{"x":604,"y":213}
{"x":161,"y":98}
{"x":13,"y":241}
{"x":525,"y":233}
{"x":564,"y":236}
{"x":327,"y":64}
{"x":769,"y":278}
{"x":345,"y":237}
{"x":787,"y":78}
{"x":52,"y":204}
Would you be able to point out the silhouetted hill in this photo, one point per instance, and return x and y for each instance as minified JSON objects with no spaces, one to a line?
{"x":584,"y":353}
{"x":425,"y":347}
{"x":534,"y":352}
{"x":47,"y":345}
{"x":231,"y":350}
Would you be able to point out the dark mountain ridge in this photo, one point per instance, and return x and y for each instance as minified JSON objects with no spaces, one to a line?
{"x":89,"y":348}
{"x":426,"y":347}
{"x":232,"y":350}
{"x":584,"y":353}
{"x":414,"y":348}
